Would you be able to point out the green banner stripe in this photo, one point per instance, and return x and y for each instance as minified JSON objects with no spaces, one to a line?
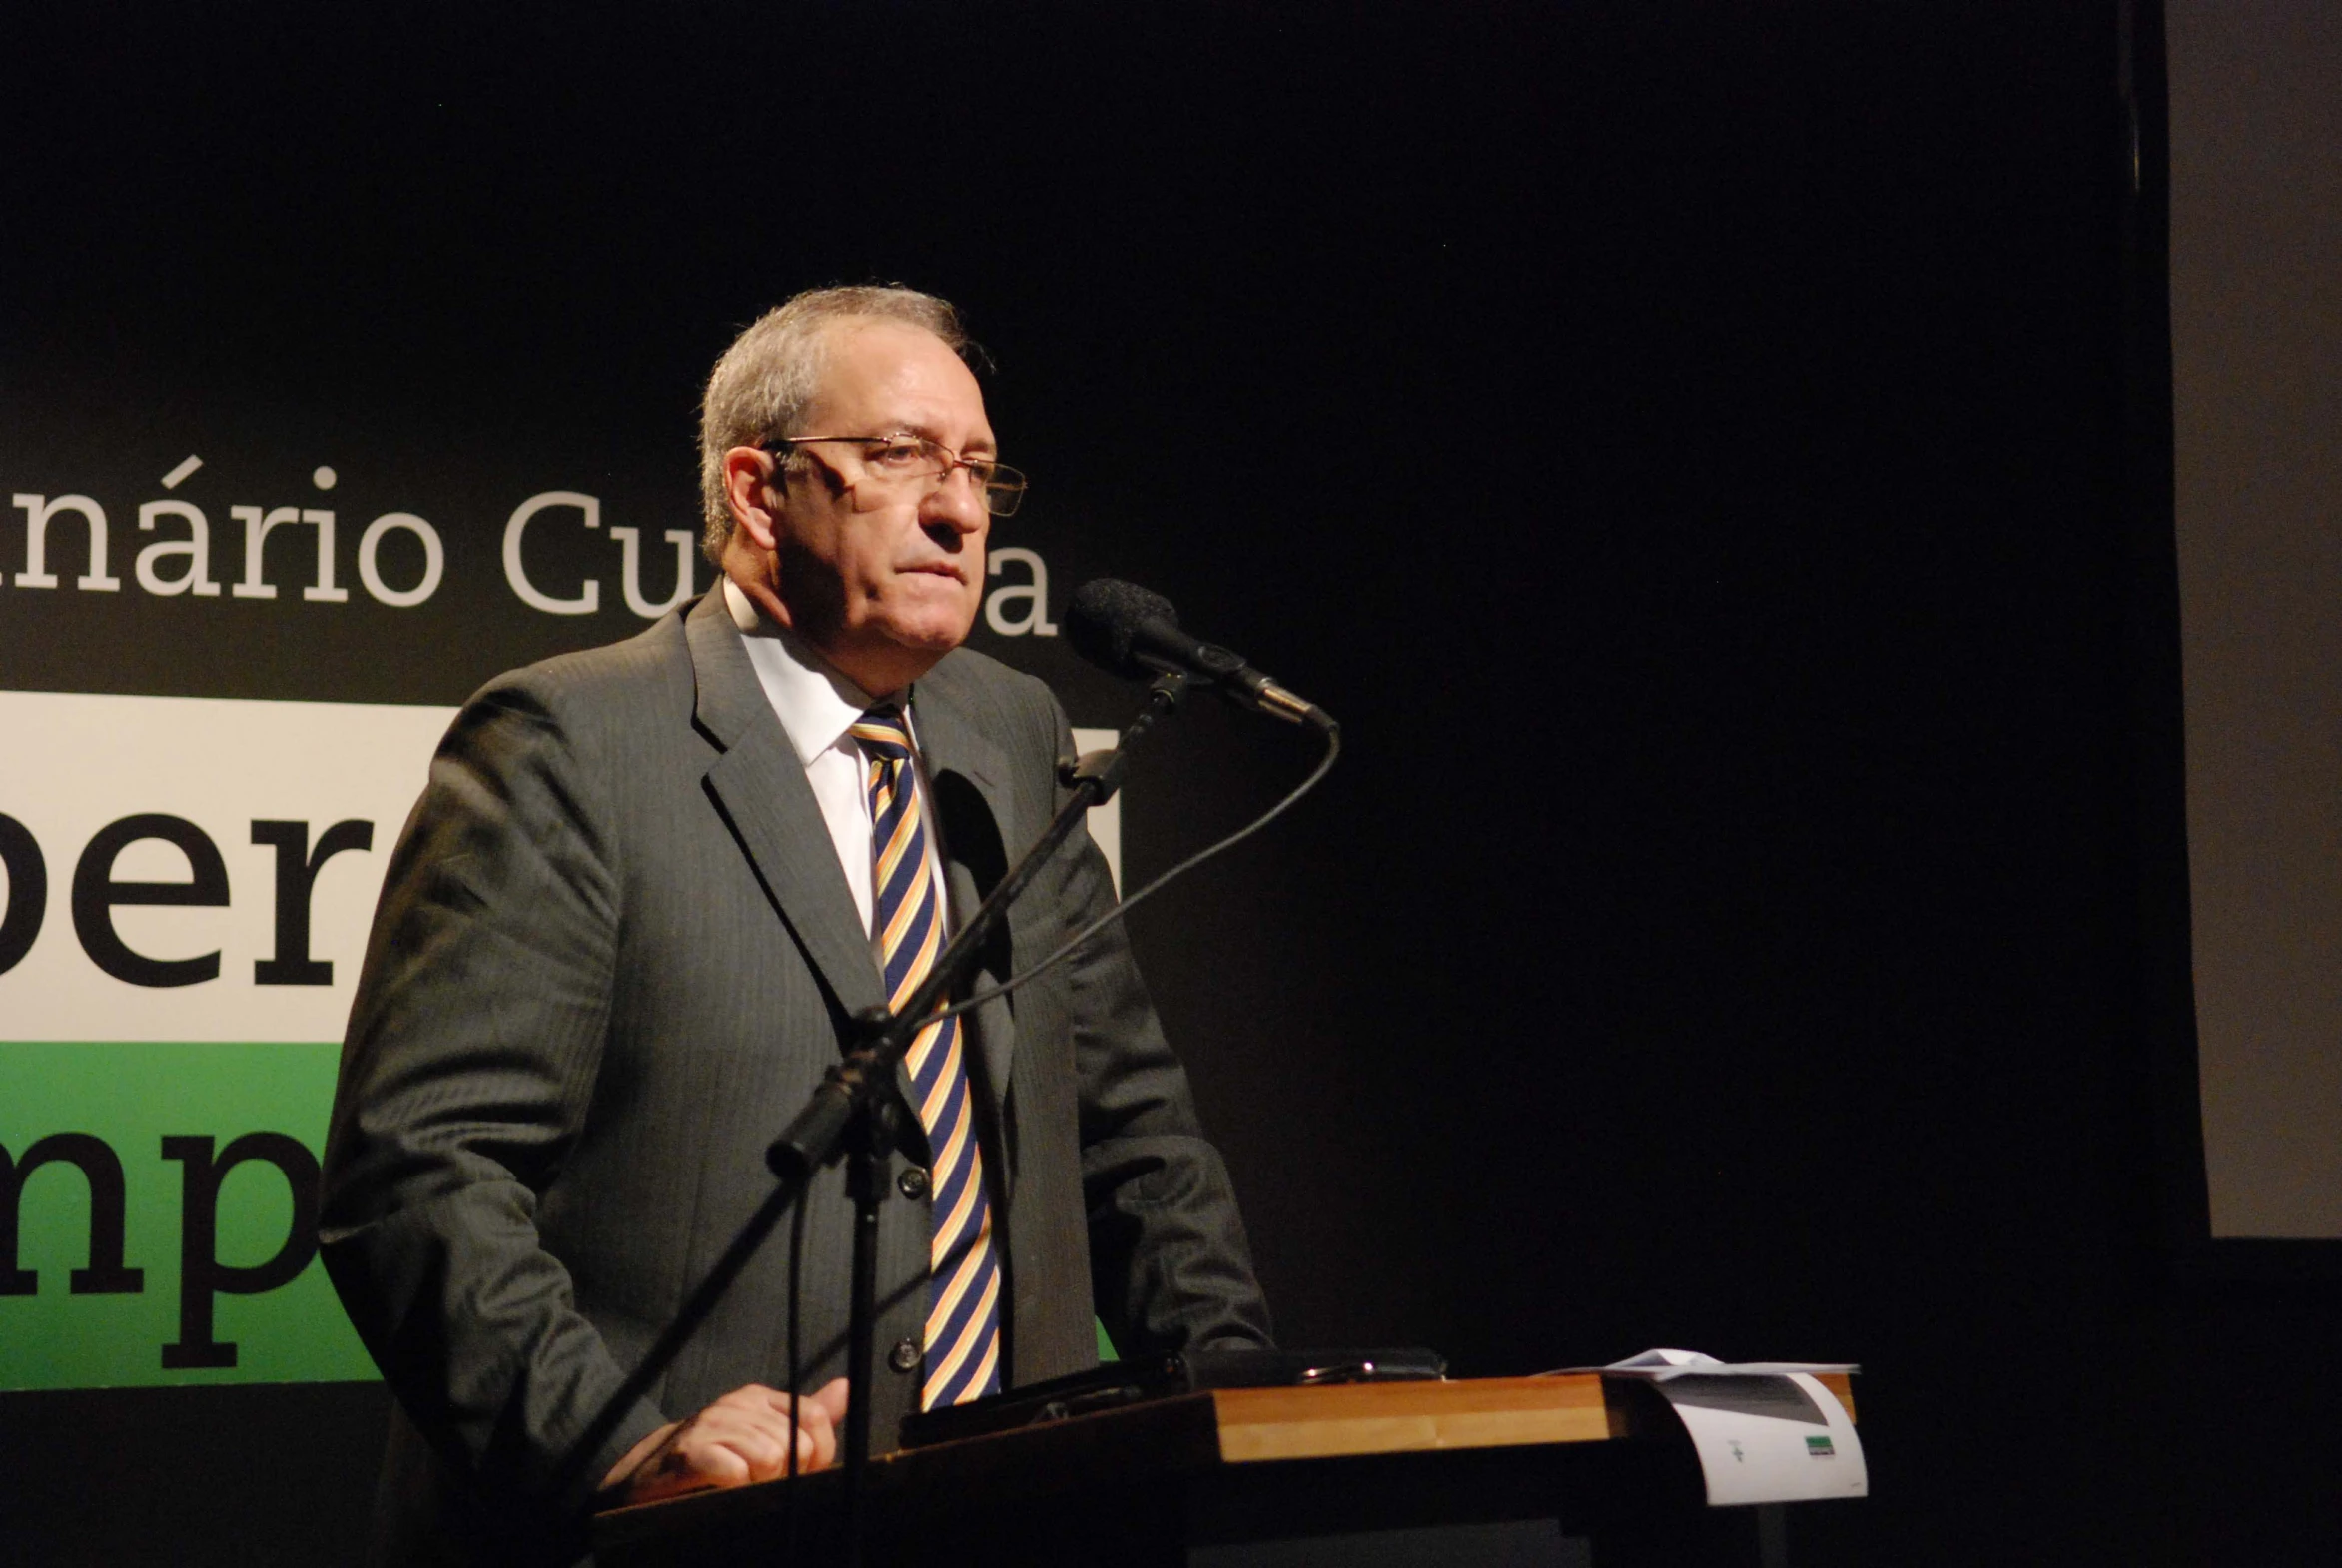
{"x":131,"y":1098}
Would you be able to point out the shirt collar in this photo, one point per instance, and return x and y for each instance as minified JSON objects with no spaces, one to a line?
{"x":816,"y":704}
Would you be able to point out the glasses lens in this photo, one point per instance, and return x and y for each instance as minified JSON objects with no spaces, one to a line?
{"x":1004,"y":490}
{"x":906,"y":457}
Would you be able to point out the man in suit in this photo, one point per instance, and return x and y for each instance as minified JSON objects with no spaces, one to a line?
{"x":625,"y":932}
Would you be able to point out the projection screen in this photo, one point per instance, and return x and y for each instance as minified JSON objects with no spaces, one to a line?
{"x":2256,"y":340}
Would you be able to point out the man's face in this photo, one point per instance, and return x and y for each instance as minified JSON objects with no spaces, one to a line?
{"x":883,"y":576}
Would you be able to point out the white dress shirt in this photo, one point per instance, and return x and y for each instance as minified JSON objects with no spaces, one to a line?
{"x":817,"y":707}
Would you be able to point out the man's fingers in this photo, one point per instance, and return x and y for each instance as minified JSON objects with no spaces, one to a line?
{"x":823,"y":1412}
{"x":755,"y":1399}
{"x":745,"y":1435}
{"x":816,"y":1442}
{"x":719,"y":1464}
{"x":824,"y":1404}
{"x":824,"y":1435}
{"x":767,"y":1457}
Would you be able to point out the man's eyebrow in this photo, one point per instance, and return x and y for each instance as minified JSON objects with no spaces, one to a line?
{"x":983,"y":444}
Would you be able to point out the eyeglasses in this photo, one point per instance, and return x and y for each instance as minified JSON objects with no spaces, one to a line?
{"x":901,"y":459}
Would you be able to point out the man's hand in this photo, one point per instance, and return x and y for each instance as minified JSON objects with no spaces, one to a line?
{"x":742,"y":1438}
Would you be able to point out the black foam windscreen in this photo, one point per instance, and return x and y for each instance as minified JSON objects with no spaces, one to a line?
{"x":1102,"y":620}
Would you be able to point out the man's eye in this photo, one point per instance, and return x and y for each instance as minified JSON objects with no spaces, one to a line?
{"x":898,"y":454}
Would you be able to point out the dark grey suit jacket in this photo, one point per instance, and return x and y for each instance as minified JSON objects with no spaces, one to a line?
{"x":613,"y":954}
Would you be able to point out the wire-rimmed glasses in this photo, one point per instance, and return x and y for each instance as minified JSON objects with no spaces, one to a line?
{"x":903,"y":458}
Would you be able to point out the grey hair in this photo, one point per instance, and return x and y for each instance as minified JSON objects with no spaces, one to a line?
{"x":761,"y":388}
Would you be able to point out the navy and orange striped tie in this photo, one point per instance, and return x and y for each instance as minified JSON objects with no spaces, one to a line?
{"x":963,"y":1314}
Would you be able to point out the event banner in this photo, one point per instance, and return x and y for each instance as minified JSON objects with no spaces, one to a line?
{"x":187,"y":881}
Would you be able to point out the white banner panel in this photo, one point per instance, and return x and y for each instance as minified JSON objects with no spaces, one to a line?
{"x":128,"y":800}
{"x":75,"y":766}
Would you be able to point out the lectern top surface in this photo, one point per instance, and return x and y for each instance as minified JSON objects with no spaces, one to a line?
{"x":1223,"y":1432}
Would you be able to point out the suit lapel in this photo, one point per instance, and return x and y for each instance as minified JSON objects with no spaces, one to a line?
{"x":954,"y":748}
{"x":761,"y":785}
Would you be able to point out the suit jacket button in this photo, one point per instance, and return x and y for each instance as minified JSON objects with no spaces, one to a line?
{"x":912,"y":1183}
{"x":904,"y":1357}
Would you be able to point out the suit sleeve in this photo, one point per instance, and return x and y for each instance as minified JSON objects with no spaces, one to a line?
{"x":470,"y":1058}
{"x":1169,"y":1265}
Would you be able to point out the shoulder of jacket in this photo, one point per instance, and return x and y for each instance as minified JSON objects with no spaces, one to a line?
{"x":609,"y":689}
{"x":982,"y":684}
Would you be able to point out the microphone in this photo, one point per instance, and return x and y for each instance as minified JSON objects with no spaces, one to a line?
{"x":1128,"y":631}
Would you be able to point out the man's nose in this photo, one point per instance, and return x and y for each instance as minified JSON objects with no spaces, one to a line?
{"x":956,"y":502}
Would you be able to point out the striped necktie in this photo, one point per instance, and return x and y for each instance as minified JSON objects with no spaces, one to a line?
{"x":963,"y":1314}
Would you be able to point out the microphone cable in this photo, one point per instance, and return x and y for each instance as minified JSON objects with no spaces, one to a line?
{"x":1065,"y":948}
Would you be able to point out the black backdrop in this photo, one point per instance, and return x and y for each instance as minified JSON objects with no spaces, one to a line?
{"x":1689,"y":444}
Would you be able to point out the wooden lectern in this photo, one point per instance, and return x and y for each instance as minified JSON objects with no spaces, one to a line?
{"x":1543,"y":1471}
{"x":1495,"y":1470}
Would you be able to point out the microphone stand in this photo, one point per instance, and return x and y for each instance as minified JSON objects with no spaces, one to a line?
{"x":854,"y":1112}
{"x":856,"y":1108}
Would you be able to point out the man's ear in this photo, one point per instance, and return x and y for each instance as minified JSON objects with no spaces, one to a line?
{"x":750,"y":479}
